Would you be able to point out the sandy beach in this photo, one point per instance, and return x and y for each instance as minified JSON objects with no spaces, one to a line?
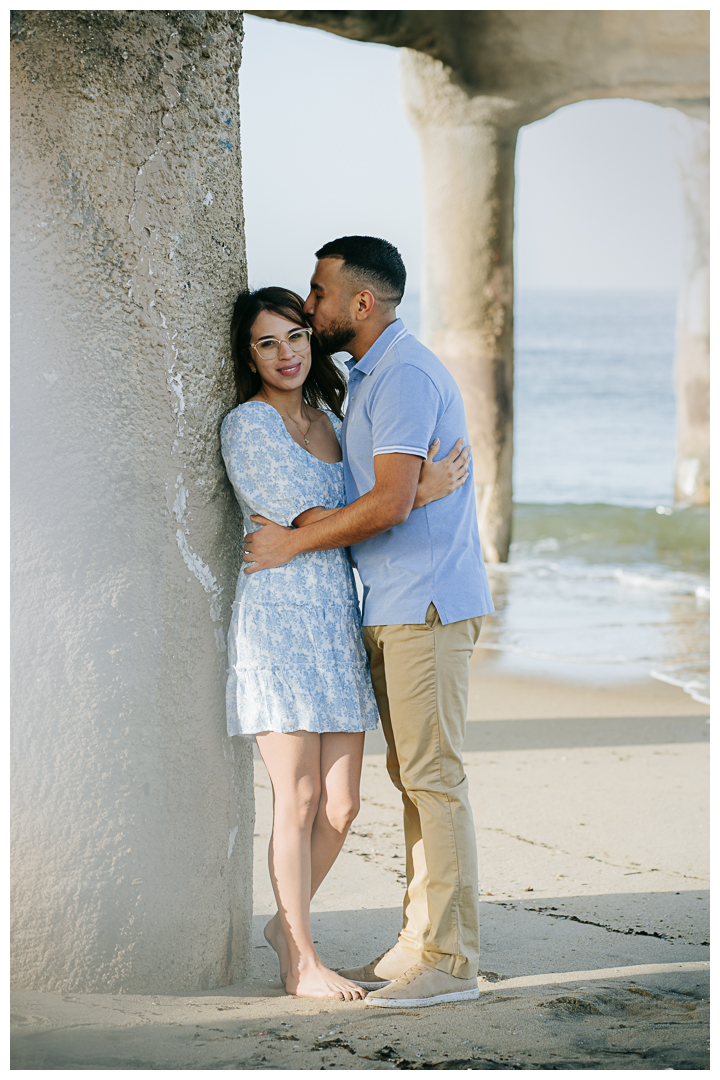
{"x":576,"y":790}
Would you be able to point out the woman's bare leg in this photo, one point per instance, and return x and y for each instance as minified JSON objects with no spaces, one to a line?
{"x":340,"y":768}
{"x":293,"y":761}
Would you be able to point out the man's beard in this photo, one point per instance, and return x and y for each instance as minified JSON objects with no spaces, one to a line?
{"x":336,"y":337}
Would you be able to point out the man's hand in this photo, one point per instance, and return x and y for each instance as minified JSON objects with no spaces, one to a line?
{"x":270,"y":546}
{"x":388,"y":504}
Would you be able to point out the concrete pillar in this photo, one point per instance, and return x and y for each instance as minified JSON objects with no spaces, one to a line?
{"x":691,"y":140}
{"x":132,"y":810}
{"x":468,"y":148}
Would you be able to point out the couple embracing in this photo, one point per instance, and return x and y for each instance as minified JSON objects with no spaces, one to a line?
{"x":308,"y":674}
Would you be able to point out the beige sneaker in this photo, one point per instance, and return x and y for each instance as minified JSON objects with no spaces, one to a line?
{"x":382,"y":970}
{"x":423,"y":985}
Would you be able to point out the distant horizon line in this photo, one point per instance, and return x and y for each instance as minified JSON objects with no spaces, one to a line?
{"x":583,"y":289}
{"x":520,"y":289}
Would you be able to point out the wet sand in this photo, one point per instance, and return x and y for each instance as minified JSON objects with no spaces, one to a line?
{"x":591,"y":810}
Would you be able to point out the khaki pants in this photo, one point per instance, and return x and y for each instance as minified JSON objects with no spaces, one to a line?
{"x":420,"y":674}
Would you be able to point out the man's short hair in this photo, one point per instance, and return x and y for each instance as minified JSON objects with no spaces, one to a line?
{"x":372,"y":262}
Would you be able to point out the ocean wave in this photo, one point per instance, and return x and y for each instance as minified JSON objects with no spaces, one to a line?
{"x":604,"y":533}
{"x":676,"y":583}
{"x":627,"y":586}
{"x":655,"y":577}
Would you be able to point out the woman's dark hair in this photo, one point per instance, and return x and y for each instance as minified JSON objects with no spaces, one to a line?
{"x":324,"y":386}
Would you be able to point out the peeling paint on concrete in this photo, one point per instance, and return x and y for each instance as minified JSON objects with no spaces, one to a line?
{"x":203,"y":574}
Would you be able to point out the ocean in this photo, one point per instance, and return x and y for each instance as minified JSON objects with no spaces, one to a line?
{"x":607,"y":580}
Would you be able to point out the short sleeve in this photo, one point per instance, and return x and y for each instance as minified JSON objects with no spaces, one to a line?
{"x":262,"y":467}
{"x":404,"y":407}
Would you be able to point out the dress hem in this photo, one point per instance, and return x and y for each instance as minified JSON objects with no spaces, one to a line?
{"x":312,"y":731}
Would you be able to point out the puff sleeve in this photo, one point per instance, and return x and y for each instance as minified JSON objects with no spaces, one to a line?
{"x":261,"y":463}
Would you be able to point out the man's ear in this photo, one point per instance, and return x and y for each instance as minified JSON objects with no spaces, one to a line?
{"x":365,"y":303}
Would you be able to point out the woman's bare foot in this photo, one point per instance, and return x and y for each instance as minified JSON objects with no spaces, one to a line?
{"x":318,"y":981}
{"x":273,"y":934}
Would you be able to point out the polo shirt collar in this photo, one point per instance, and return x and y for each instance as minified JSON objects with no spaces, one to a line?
{"x":376,"y":352}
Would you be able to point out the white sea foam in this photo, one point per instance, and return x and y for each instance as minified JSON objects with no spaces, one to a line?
{"x":698,"y":688}
{"x":617,"y":619}
{"x":668,"y":581}
{"x":548,"y":544}
{"x":656,"y":578}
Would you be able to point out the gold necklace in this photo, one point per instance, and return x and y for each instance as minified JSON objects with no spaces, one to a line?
{"x":303,"y":433}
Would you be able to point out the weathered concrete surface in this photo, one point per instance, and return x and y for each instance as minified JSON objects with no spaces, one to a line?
{"x":470,"y":80}
{"x":547,"y":58}
{"x":132,"y":811}
{"x":468,"y":145}
{"x":602,"y":966}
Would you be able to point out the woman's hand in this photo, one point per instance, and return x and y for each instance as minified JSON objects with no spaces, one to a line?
{"x":441,"y":478}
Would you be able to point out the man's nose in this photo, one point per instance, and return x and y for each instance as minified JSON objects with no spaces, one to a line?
{"x":308,"y":306}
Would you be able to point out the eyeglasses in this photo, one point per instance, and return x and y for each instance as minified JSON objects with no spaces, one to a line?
{"x":269,"y":348}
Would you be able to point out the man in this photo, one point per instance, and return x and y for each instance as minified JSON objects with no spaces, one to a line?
{"x":425,"y":595}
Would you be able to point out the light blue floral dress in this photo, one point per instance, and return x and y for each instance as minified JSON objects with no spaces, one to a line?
{"x":296,"y":656}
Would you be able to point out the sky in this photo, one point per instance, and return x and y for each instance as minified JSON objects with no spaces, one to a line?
{"x":327,"y":151}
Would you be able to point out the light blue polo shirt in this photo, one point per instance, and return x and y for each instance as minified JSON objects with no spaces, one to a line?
{"x":400,"y":398}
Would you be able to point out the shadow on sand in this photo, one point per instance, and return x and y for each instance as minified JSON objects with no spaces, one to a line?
{"x":495,"y":735}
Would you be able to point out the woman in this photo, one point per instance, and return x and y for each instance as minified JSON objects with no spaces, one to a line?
{"x":298,"y":674}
